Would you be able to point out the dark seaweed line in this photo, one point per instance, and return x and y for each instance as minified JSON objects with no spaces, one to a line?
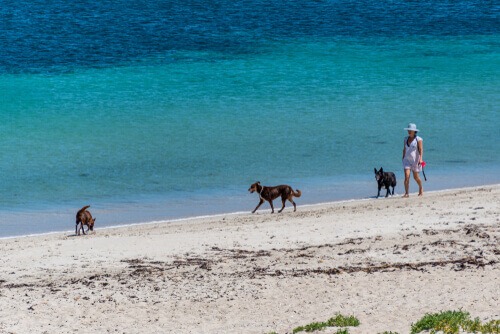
{"x":463,"y":262}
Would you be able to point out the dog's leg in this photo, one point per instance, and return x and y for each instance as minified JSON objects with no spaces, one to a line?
{"x":294,"y":206}
{"x":283,"y":200}
{"x":388,"y":191}
{"x":378,"y":194}
{"x":76,"y":229}
{"x":272,"y":207}
{"x":258,"y":205}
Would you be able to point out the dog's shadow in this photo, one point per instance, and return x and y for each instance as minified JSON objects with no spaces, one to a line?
{"x":379,"y":197}
{"x":76,"y":235}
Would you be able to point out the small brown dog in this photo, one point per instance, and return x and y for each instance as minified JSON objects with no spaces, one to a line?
{"x":83,"y":217}
{"x":271,"y":193}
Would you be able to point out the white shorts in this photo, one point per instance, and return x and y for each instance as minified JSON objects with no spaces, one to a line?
{"x":414,"y":166}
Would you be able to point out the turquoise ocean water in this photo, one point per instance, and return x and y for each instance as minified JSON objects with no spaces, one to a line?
{"x":174,"y":110}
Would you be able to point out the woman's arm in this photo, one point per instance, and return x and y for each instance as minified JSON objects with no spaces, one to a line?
{"x":420,"y":146}
{"x":404,"y":149}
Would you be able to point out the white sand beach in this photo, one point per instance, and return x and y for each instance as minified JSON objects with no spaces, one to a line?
{"x":385,"y":261}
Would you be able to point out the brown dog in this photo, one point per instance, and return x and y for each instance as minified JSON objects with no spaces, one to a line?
{"x":83,"y":217}
{"x":271,"y":193}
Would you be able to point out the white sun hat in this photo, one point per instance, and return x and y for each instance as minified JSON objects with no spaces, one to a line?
{"x":411,"y":127}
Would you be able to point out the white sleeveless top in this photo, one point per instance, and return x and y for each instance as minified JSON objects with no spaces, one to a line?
{"x":411,"y":155}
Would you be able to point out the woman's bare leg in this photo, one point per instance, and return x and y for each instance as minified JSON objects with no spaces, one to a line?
{"x":416,"y":176}
{"x":407,"y":183}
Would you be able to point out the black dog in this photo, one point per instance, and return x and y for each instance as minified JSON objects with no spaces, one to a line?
{"x":271,"y":193}
{"x":387,"y":179}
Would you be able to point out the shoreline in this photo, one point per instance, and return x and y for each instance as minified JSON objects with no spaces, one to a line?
{"x":377,"y":260}
{"x":238,"y":213}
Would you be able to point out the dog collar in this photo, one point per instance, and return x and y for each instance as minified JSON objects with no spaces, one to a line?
{"x":260,"y":193}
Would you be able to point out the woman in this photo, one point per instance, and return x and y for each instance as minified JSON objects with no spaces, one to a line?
{"x":413,"y":152}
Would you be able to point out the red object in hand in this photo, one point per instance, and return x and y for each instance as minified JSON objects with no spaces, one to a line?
{"x":422,"y":164}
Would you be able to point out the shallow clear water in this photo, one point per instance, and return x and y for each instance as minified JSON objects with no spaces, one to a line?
{"x":174,"y":109}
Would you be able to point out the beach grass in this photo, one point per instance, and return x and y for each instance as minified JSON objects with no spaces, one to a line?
{"x":446,"y":322}
{"x":342,"y":331}
{"x":338,"y":321}
{"x":451,"y":322}
{"x":342,"y":321}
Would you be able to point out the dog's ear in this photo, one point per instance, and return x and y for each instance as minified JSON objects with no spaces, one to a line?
{"x":258,"y":182}
{"x":375,"y":169}
{"x":381,"y":170}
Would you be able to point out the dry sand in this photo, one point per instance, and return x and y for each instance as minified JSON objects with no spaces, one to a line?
{"x":386,"y":261}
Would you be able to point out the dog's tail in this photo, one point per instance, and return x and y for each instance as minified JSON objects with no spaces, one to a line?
{"x":296,"y":193}
{"x":83,"y":209}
